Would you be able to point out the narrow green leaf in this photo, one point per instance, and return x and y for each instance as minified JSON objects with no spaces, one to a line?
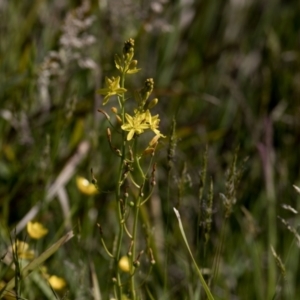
{"x":205,"y":286}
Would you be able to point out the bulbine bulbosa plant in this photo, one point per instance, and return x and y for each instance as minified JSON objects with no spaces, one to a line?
{"x":134,"y":182}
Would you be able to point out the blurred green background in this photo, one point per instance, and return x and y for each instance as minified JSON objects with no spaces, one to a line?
{"x":227,"y":71}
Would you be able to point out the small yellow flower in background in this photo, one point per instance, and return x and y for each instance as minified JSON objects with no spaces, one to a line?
{"x":112,"y":88}
{"x":57,"y":283}
{"x":36,"y":230}
{"x":85,"y":186}
{"x":124,"y":264}
{"x":22,"y":250}
{"x":9,"y":295}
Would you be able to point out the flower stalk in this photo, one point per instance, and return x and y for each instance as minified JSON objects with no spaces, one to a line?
{"x":132,"y":125}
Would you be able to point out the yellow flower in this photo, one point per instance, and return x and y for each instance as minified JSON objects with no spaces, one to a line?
{"x":124,"y":264}
{"x":57,"y":283}
{"x":85,"y":186}
{"x":112,"y":88}
{"x":135,"y":125}
{"x":22,"y":250}
{"x":153,"y":122}
{"x":8,"y":295}
{"x":36,"y":230}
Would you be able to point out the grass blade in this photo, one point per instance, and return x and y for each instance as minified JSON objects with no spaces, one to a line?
{"x":205,"y":286}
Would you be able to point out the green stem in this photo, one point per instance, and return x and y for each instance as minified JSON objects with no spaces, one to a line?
{"x":118,"y":193}
{"x":135,"y":222}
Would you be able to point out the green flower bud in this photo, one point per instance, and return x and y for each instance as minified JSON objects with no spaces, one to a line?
{"x":133,"y":64}
{"x":132,"y":68}
{"x":151,"y":104}
{"x":147,"y":89}
{"x":128,"y":50}
{"x":136,"y":263}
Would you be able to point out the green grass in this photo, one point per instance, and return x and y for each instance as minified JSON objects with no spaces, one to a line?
{"x":227,"y":73}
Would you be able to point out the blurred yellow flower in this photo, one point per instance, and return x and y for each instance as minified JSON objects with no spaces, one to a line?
{"x":8,"y":295}
{"x":36,"y":230}
{"x":124,"y":264}
{"x":57,"y":283}
{"x":85,"y":186}
{"x":22,"y":250}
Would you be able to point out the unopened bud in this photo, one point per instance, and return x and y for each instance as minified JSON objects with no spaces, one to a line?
{"x":128,"y":50}
{"x":124,"y":264}
{"x":108,"y":132}
{"x":114,"y":110}
{"x":152,"y":103}
{"x":136,"y":263}
{"x":153,"y":142}
{"x":147,"y":89}
{"x":119,"y":120}
{"x":148,"y":151}
{"x":133,"y":64}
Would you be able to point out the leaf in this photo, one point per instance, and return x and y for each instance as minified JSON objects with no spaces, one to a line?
{"x":205,"y":286}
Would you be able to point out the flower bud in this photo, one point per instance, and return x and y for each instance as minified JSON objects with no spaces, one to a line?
{"x":124,"y":264}
{"x":133,"y":64}
{"x":136,"y":263}
{"x":119,"y":120}
{"x":147,"y":89}
{"x":152,"y":103}
{"x":128,"y":50}
{"x":114,"y":110}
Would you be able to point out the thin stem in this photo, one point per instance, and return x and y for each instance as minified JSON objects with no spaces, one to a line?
{"x":118,"y":193}
{"x":106,"y":249}
{"x":166,"y":236}
{"x":136,"y":216}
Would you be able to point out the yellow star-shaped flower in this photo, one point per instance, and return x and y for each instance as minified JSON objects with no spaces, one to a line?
{"x":112,"y":88}
{"x":153,"y":122}
{"x":135,"y":125}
